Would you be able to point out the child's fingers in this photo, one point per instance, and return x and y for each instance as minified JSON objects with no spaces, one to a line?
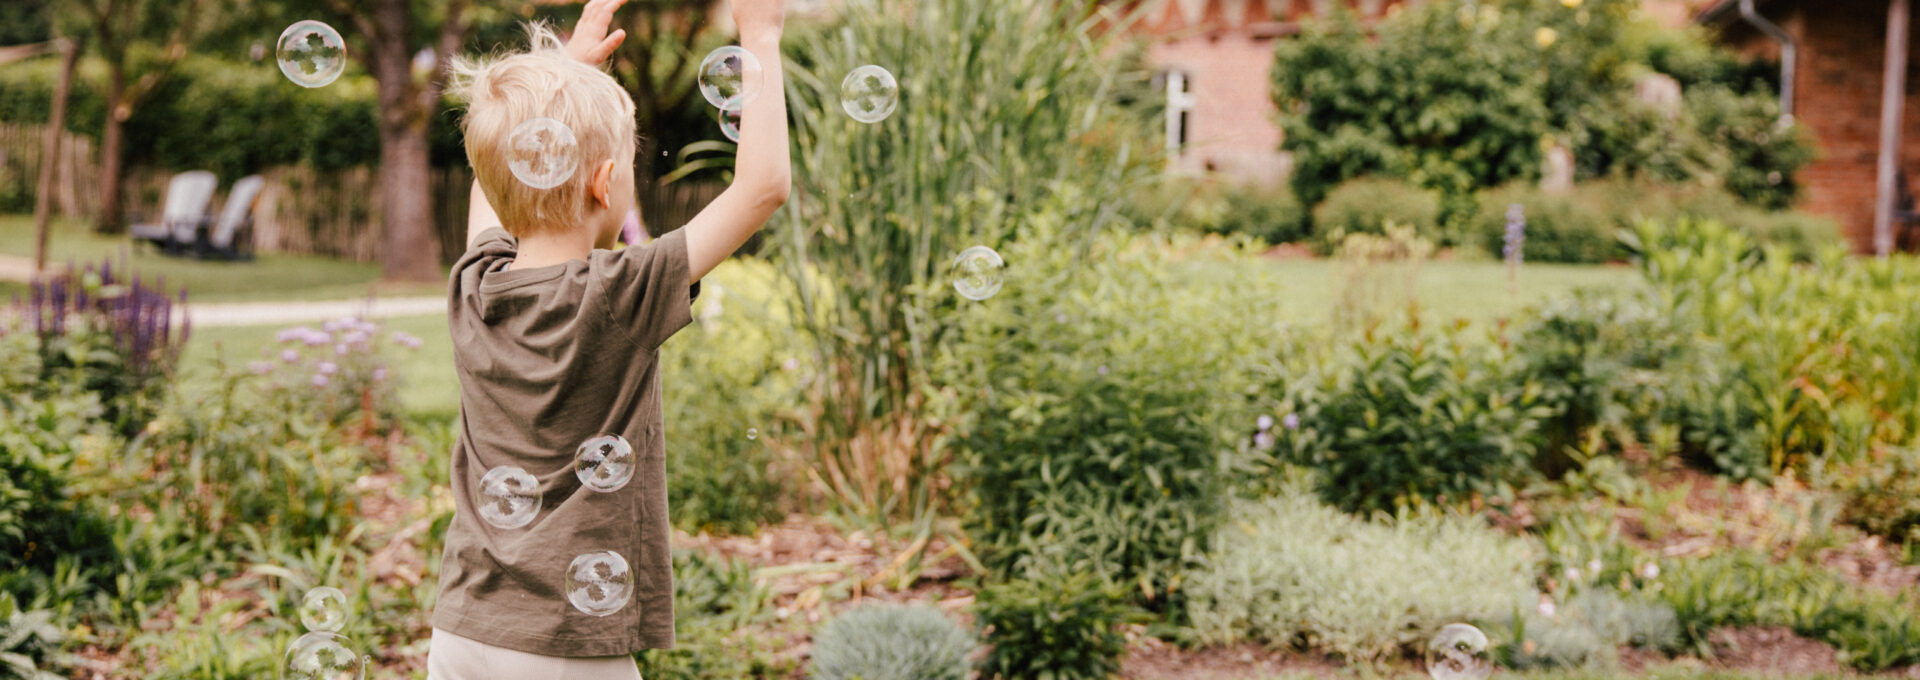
{"x":600,"y":12}
{"x":606,"y":47}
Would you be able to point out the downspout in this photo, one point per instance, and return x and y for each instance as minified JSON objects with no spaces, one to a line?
{"x":1787,"y":50}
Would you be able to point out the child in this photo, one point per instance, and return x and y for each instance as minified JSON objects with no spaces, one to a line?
{"x":557,"y":563}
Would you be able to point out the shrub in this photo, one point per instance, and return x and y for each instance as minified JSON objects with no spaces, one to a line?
{"x":1051,"y":626}
{"x":29,"y":643}
{"x":1883,"y":495}
{"x":1559,"y":227}
{"x":715,"y":601}
{"x":1271,"y":215}
{"x":103,"y":331}
{"x":1367,"y":206}
{"x":981,"y":155}
{"x":1407,"y":416}
{"x":1585,"y":631}
{"x":1290,"y":571}
{"x":1457,"y":96}
{"x":1584,"y":224}
{"x":889,"y":642}
{"x":1096,"y":409}
{"x":734,"y":372}
{"x":337,"y":374}
{"x":44,"y":519}
{"x":1597,"y":362}
{"x":1871,"y":630}
{"x":1795,"y":364}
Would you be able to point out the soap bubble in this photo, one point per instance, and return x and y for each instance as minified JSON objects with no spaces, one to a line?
{"x":311,"y":53}
{"x":321,"y":655}
{"x":604,"y":463}
{"x":753,"y":433}
{"x":599,"y":583}
{"x":1459,"y":652}
{"x":869,"y":94}
{"x":730,"y":124}
{"x":976,"y":273}
{"x":730,"y":77}
{"x":509,"y":497}
{"x":542,"y":152}
{"x":324,"y":609}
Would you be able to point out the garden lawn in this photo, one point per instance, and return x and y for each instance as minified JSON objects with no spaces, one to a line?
{"x":428,"y":387}
{"x":268,"y":277}
{"x":1307,"y":290}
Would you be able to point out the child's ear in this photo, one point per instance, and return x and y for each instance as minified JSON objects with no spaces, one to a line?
{"x":600,"y":185}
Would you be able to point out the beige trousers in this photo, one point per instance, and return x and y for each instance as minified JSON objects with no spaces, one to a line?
{"x":451,"y":657}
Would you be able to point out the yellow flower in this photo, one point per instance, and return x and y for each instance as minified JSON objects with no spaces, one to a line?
{"x":1545,"y":37}
{"x":1570,"y":3}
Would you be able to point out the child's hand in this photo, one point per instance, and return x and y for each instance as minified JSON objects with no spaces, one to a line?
{"x":759,"y":18}
{"x":590,"y":43}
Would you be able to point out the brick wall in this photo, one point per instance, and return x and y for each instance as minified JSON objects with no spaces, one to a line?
{"x":1842,"y":48}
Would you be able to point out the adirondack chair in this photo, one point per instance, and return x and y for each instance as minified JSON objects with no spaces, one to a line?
{"x":182,"y":214}
{"x":232,"y":235}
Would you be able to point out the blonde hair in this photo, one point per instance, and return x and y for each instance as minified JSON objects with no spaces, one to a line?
{"x":500,"y":93}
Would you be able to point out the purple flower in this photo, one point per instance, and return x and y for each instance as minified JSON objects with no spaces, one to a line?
{"x":327,"y":368}
{"x":791,"y":365}
{"x":292,"y":334}
{"x":317,"y":338}
{"x":1263,"y":441}
{"x":1514,"y":242}
{"x":340,"y":349}
{"x":1290,"y":421}
{"x":354,"y":337}
{"x":320,"y":380}
{"x":1263,"y":422}
{"x":1060,"y":318}
{"x":1103,"y":370}
{"x":406,"y":339}
{"x":260,"y":367}
{"x":380,"y":374}
{"x":289,"y":355}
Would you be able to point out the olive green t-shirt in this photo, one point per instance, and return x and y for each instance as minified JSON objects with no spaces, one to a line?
{"x":550,"y":358}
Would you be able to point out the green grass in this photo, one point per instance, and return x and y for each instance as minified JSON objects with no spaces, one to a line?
{"x":428,"y":387}
{"x":269,"y":277}
{"x":1307,"y":290}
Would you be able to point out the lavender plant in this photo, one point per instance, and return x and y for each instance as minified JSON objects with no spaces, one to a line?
{"x":1513,"y":245}
{"x":101,"y":329}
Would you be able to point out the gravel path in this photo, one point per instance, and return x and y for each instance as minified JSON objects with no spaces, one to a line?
{"x":272,"y":313}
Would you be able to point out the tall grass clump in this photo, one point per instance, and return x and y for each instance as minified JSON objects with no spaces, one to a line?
{"x":1003,"y":104}
{"x":1290,"y":570}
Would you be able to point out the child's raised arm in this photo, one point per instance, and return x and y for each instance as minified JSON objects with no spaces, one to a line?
{"x":762,"y":172}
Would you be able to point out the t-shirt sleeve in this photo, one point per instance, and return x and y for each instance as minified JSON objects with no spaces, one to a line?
{"x":493,"y":244}
{"x":646,"y":289}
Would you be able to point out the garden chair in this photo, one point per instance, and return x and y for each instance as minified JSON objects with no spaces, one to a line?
{"x":232,"y":235}
{"x":183,"y":212}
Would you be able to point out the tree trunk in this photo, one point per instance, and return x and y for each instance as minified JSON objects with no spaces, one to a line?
{"x":109,"y":220}
{"x":50,"y":153}
{"x":411,"y":249}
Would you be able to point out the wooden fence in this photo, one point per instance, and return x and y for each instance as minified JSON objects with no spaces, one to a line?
{"x":301,"y":210}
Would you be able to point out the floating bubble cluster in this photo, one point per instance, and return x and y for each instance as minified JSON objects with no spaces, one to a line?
{"x":542,"y":152}
{"x":324,"y":609}
{"x":599,"y":583}
{"x":604,"y":463}
{"x":730,"y":77}
{"x":869,"y":94}
{"x":311,"y":53}
{"x":1459,"y":652}
{"x":509,"y":497}
{"x":977,"y":273}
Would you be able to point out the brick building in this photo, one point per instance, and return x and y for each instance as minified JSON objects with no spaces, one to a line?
{"x":1213,"y":57}
{"x":1849,"y":90}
